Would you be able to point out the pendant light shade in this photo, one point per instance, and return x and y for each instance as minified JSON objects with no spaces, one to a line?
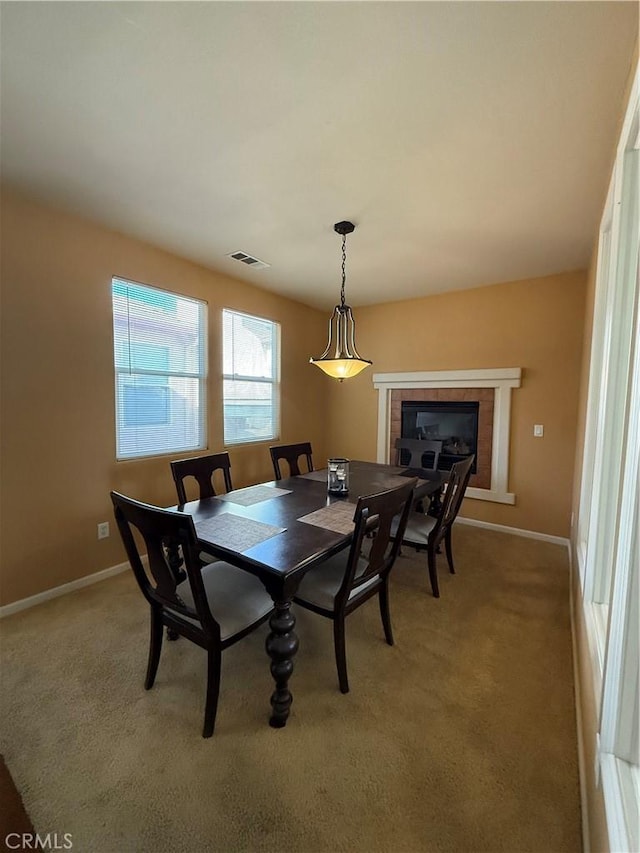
{"x":341,"y":359}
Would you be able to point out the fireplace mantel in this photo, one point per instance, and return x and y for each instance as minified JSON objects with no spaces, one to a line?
{"x":502,"y":380}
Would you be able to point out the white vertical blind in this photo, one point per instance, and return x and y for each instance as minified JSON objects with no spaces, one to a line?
{"x":250,"y":357}
{"x":159,"y":342}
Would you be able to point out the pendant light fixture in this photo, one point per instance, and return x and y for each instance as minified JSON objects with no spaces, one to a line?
{"x":341,"y":360}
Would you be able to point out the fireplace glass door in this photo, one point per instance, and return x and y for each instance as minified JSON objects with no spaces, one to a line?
{"x":454,"y":424}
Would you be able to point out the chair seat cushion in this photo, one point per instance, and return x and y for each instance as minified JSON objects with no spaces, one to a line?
{"x":321,"y":584}
{"x":419,"y":526}
{"x":236,"y":598}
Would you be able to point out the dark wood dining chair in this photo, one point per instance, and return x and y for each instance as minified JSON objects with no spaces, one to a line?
{"x":424,"y":531}
{"x":202,"y":469}
{"x":341,"y":584}
{"x":416,"y":448}
{"x":215,"y":606}
{"x":291,"y":453}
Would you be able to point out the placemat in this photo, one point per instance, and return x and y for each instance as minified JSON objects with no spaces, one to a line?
{"x":338,"y":517}
{"x":236,"y":533}
{"x":316,"y":475}
{"x":253,"y":495}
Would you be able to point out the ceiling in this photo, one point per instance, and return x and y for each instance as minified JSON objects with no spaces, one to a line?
{"x":469,"y":142}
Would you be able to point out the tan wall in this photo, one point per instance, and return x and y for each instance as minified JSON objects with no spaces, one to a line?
{"x":58,"y":407}
{"x":536,"y":325}
{"x":58,"y":421}
{"x":58,"y":436}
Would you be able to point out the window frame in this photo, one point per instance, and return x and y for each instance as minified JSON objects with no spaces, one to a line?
{"x":274,"y":382}
{"x":608,"y":524}
{"x":153,"y":373}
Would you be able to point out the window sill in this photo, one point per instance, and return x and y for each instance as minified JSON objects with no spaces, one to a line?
{"x":620,"y":787}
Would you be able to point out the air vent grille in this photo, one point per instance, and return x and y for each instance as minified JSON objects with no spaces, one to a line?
{"x":249,"y":260}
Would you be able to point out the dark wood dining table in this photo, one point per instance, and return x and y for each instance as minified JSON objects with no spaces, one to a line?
{"x":292,"y":546}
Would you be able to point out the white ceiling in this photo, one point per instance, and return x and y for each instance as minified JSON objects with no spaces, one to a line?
{"x":469,"y":142}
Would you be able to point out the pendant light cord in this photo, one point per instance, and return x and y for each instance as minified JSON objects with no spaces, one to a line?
{"x":344,"y":261}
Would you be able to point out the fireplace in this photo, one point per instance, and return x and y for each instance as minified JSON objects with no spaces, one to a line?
{"x":452,"y":423}
{"x":462,"y":418}
{"x":490,"y":388}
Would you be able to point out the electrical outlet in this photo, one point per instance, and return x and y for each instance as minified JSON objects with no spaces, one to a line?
{"x":538,"y":430}
{"x":103,"y":530}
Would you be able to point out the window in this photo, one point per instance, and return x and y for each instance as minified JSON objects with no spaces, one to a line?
{"x":159,"y":344}
{"x":608,"y":546}
{"x":250,"y":355}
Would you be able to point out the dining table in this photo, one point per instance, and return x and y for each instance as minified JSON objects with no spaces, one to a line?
{"x":280,"y":529}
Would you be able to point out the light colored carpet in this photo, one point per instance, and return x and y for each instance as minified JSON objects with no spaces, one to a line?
{"x":459,"y":738}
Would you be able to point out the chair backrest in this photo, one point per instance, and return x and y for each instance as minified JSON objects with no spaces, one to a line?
{"x":202,"y":468}
{"x":163,"y":531}
{"x":454,"y":493}
{"x":373,"y":518}
{"x":291,"y":453}
{"x":417,"y":447}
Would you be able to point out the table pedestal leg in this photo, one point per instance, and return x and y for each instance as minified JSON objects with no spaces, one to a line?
{"x":282,"y":644}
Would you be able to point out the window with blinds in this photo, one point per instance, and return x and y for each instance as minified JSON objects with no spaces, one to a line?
{"x":159,"y":342}
{"x":250,"y":356}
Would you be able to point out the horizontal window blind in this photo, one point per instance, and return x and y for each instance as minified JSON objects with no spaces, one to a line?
{"x":159,"y":342}
{"x":250,"y":357}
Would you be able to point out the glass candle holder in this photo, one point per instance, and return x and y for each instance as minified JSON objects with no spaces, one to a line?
{"x":338,"y":476}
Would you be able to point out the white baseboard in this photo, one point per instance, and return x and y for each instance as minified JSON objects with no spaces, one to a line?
{"x":515,"y":531}
{"x":57,"y":591}
{"x":87,"y":580}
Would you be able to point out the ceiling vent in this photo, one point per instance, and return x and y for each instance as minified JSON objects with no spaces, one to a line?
{"x":249,"y":260}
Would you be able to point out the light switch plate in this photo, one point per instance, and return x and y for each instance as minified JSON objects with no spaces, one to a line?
{"x":538,"y":430}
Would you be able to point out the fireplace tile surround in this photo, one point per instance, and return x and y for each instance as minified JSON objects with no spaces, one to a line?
{"x":491,"y":388}
{"x":484,"y":396}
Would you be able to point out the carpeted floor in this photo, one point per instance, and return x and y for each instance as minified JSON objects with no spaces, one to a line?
{"x":459,"y":738}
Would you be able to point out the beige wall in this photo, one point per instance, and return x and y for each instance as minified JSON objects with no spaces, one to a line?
{"x":58,"y":421}
{"x":58,"y":437}
{"x":536,"y":325}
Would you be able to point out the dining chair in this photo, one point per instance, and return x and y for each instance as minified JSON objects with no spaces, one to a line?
{"x":417,"y":447}
{"x":341,"y":584}
{"x":215,"y":606}
{"x":424,"y":531}
{"x":291,"y":453}
{"x":202,"y":469}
